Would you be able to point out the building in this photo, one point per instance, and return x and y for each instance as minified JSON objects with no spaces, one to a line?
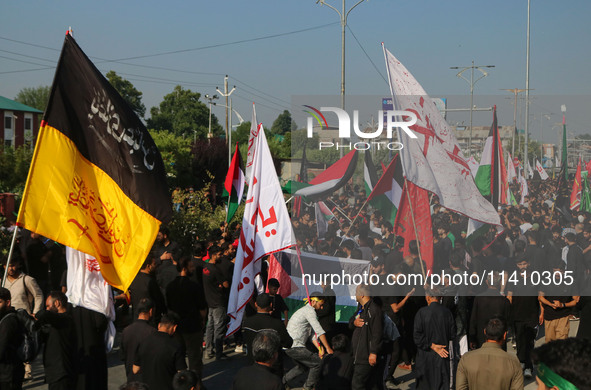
{"x":20,"y":123}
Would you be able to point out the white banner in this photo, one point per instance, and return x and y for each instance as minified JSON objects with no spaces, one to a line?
{"x":266,"y":228}
{"x":511,"y":175}
{"x":433,"y":160}
{"x":88,"y":289}
{"x":541,"y":171}
{"x":254,"y":130}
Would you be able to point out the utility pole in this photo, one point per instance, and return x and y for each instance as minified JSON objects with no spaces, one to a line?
{"x":227,"y":94}
{"x":210,"y":99}
{"x":527,"y":91}
{"x":471,"y":82}
{"x":343,"y":15}
{"x":515,"y":91}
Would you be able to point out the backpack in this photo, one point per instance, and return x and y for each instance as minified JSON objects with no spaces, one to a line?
{"x":30,"y":346}
{"x":390,"y":332}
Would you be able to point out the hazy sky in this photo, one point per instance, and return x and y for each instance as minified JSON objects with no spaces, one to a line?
{"x":157,"y":45}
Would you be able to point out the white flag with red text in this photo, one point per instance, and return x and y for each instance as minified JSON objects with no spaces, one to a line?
{"x":541,"y":171}
{"x":433,"y":160}
{"x":88,"y":289}
{"x":266,"y":228}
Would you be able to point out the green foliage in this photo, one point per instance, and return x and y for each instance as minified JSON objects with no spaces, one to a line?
{"x":241,"y":134}
{"x":197,"y":217}
{"x":183,"y":114}
{"x":5,"y":240}
{"x":130,"y":94}
{"x":14,"y":167}
{"x":176,"y":154}
{"x":34,"y":97}
{"x":283,"y":124}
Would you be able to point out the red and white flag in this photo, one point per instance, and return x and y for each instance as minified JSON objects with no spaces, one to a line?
{"x":254,"y":130}
{"x":541,"y":171}
{"x":575,"y":194}
{"x":433,"y":160}
{"x":88,"y":289}
{"x":266,"y":228}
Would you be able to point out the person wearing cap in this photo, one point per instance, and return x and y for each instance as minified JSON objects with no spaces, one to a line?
{"x":303,"y":323}
{"x":263,"y":320}
{"x":563,"y":364}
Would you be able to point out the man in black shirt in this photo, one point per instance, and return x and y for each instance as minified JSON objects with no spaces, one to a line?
{"x":168,"y":252}
{"x":262,"y":320}
{"x":59,"y":353}
{"x":279,"y":307}
{"x":11,"y":367}
{"x":160,"y":356}
{"x":265,"y":349}
{"x":367,"y":326}
{"x":214,"y":283}
{"x":185,"y":297}
{"x":525,"y":308}
{"x":135,"y":334}
{"x":144,"y":286}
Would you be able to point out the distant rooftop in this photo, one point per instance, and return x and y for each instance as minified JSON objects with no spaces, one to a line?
{"x":11,"y":105}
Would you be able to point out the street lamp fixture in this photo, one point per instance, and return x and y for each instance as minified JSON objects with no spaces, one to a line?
{"x":471,"y":82}
{"x":210,"y":99}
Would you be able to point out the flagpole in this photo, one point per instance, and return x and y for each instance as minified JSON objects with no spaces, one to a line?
{"x":340,"y":210}
{"x":414,"y":225}
{"x":302,"y":270}
{"x":9,"y":255}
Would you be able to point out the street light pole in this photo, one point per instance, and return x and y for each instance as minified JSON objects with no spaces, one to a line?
{"x":471,"y":82}
{"x":343,"y":15}
{"x":515,"y":91}
{"x":527,"y":92}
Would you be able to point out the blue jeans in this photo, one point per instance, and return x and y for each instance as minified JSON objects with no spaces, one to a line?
{"x":215,"y":330}
{"x":304,"y":359}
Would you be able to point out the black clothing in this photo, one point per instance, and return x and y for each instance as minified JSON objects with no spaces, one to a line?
{"x":11,"y":336}
{"x":160,"y":357}
{"x":165,"y":274}
{"x":131,"y":338}
{"x":584,"y":306}
{"x":434,"y":324}
{"x":145,"y":286}
{"x":185,"y":298}
{"x":484,"y":307}
{"x":59,"y":353}
{"x":173,"y":248}
{"x":367,"y":339}
{"x":279,"y":307}
{"x":257,"y":377}
{"x":260,"y":321}
{"x":536,"y":257}
{"x":575,"y":262}
{"x":326,"y":315}
{"x":525,"y":305}
{"x":92,"y":356}
{"x":212,"y":285}
{"x":336,"y":372}
{"x":561,"y":293}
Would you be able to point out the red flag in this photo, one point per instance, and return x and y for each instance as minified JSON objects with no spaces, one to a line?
{"x":422,"y":219}
{"x":588,"y":166}
{"x":575,"y":195}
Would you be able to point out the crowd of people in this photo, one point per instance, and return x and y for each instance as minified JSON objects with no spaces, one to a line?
{"x":449,"y":336}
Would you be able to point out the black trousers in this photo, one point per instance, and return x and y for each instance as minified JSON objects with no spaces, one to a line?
{"x":525,"y":338}
{"x":366,"y":377}
{"x":66,"y":383}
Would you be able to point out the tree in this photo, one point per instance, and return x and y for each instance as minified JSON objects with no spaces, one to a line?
{"x":176,"y":155}
{"x":130,"y":94}
{"x":182,"y":113}
{"x":283,"y":124}
{"x":34,"y":97}
{"x":14,"y":166}
{"x":242,"y":133}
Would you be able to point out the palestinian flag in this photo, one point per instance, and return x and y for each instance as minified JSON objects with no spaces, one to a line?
{"x":370,"y":175}
{"x":331,"y":179}
{"x":387,"y":192}
{"x":97,"y":181}
{"x":575,"y":194}
{"x":491,"y":178}
{"x":234,"y":185}
{"x":323,"y":216}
